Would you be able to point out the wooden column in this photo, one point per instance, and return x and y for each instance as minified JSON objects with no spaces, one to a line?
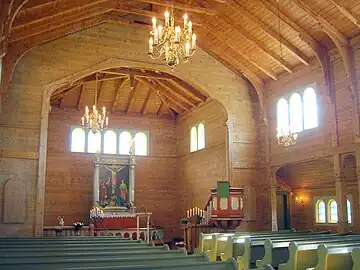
{"x":229,"y":147}
{"x":341,"y":195}
{"x":357,"y":155}
{"x":271,"y":172}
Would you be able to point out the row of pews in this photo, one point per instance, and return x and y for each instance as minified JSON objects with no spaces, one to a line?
{"x":284,"y":250}
{"x":80,"y":253}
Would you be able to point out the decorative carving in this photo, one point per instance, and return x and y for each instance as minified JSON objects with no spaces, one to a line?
{"x":14,"y":201}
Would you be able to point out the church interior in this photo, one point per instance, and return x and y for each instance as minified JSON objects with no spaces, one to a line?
{"x":204,"y":121}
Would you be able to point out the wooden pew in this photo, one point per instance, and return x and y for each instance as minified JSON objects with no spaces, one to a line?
{"x":335,"y":257}
{"x":277,"y":251}
{"x":303,"y":256}
{"x":355,"y":254}
{"x":185,"y":263}
{"x":72,"y":244}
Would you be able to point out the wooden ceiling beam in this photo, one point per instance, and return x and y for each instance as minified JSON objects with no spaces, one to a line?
{"x":241,"y":11}
{"x":138,"y":73}
{"x":346,"y":12}
{"x":239,"y":31}
{"x":146,"y":102}
{"x":81,"y":97}
{"x":164,"y":102}
{"x":176,"y":5}
{"x":46,"y":27}
{"x":172,"y":88}
{"x":61,"y":8}
{"x":132,"y":96}
{"x":37,"y":4}
{"x":158,"y":113}
{"x":99,"y":91}
{"x":271,"y":74}
{"x":193,"y":92}
{"x":120,"y":85}
{"x":327,"y":27}
{"x":146,"y":13}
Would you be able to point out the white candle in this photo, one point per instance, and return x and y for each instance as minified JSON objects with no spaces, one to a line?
{"x":186,"y":17}
{"x":187,"y":49}
{"x":166,"y":14}
{"x":153,"y":22}
{"x":194,"y":41}
{"x":104,"y":110}
{"x":190,"y":26}
{"x":156,"y":36}
{"x":82,"y":120}
{"x":86,"y":110}
{"x":107,"y":121}
{"x":187,"y":213}
{"x":151,"y":42}
{"x":160,"y":28}
{"x":177,"y":31}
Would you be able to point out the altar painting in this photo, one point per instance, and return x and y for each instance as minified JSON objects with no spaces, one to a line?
{"x":114,"y":185}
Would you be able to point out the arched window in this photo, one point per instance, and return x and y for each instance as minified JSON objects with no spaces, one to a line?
{"x":296,"y":113}
{"x":333,"y":215}
{"x":282,"y":117}
{"x":124,"y":143}
{"x":78,"y":140}
{"x":310,"y":109}
{"x":141,"y":144}
{"x":94,"y":142}
{"x":201,"y":136}
{"x":110,"y":142}
{"x":349,"y":213}
{"x":193,"y":139}
{"x":320,"y":211}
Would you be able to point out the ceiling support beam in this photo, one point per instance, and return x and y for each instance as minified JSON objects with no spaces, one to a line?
{"x":99,"y":90}
{"x":347,"y":13}
{"x":133,"y":88}
{"x":164,"y":102}
{"x":241,"y":53}
{"x":146,"y":102}
{"x":241,"y":11}
{"x":191,"y":91}
{"x":186,"y":7}
{"x":120,"y":85}
{"x":172,"y":89}
{"x":158,"y":113}
{"x":81,"y":97}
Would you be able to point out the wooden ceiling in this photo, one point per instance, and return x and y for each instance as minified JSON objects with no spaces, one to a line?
{"x":133,"y":92}
{"x":243,"y":34}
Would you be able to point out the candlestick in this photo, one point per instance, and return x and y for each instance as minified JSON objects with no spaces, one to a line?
{"x":151,"y":42}
{"x":190,"y":27}
{"x":177,"y":31}
{"x":186,"y":17}
{"x":166,"y":14}
{"x":154,"y":22}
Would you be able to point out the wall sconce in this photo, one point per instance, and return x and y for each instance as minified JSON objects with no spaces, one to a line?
{"x":300,"y":200}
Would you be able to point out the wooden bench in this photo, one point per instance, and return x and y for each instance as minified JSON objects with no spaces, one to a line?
{"x":277,"y":251}
{"x":335,"y":257}
{"x":303,"y":256}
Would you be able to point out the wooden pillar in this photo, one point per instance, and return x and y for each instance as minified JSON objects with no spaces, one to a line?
{"x":229,"y":147}
{"x":271,"y":172}
{"x":356,"y":220}
{"x":341,"y":195}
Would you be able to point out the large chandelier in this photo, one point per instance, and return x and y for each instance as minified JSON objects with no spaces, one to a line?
{"x":172,"y":42}
{"x":287,"y":138}
{"x":95,"y":121}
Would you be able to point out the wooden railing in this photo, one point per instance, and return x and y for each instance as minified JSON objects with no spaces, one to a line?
{"x":66,"y":231}
{"x":192,"y":232}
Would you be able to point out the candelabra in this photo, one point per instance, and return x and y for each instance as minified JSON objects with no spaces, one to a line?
{"x":287,"y":139}
{"x":174,"y":43}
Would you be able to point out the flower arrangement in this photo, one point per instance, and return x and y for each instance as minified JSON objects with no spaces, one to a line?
{"x":78,"y":225}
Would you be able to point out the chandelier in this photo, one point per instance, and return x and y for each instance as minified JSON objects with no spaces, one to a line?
{"x":95,"y":121}
{"x":172,"y":42}
{"x":287,"y":138}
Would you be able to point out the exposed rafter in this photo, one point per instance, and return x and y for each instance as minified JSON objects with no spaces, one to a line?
{"x":269,"y":31}
{"x":172,"y":88}
{"x":146,"y":102}
{"x":133,"y":87}
{"x":346,"y":12}
{"x":81,"y":97}
{"x":164,"y":102}
{"x":120,"y":85}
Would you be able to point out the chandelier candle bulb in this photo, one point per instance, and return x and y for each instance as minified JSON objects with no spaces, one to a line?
{"x":154,"y":23}
{"x":194,"y":41}
{"x":151,"y":43}
{"x":156,"y":36}
{"x":186,"y":17}
{"x":160,"y":28}
{"x":187,"y":49}
{"x":178,"y":31}
{"x":166,"y":14}
{"x":82,"y":121}
{"x":104,"y":111}
{"x":190,"y":27}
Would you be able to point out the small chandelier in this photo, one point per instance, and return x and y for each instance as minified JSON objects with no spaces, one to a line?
{"x":174,"y":43}
{"x":287,"y":138}
{"x":95,"y":121}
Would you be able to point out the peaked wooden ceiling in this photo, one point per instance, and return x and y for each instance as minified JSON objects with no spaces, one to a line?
{"x":135,"y":92}
{"x":243,"y":34}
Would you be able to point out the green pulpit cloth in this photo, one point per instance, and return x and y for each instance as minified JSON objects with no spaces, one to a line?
{"x":223,"y":189}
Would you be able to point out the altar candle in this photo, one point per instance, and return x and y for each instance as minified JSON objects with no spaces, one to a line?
{"x":187,"y":213}
{"x":190,"y":212}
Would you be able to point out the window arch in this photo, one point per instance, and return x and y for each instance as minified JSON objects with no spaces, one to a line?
{"x":320,"y":212}
{"x":94,"y":142}
{"x":349,"y":213}
{"x":78,"y":140}
{"x":200,"y":136}
{"x":333,"y":214}
{"x":282,"y":117}
{"x":296,"y":113}
{"x":124,"y":143}
{"x":310,"y":109}
{"x":110,"y":142}
{"x":141,"y":144}
{"x":193,"y":139}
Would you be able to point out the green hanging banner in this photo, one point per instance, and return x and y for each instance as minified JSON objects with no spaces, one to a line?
{"x":223,"y":189}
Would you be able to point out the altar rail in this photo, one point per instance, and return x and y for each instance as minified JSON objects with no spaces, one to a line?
{"x":50,"y":231}
{"x":192,"y":233}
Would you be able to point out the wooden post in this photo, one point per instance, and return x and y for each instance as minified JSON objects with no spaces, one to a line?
{"x":138,"y":227}
{"x":341,"y":195}
{"x":272,"y":179}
